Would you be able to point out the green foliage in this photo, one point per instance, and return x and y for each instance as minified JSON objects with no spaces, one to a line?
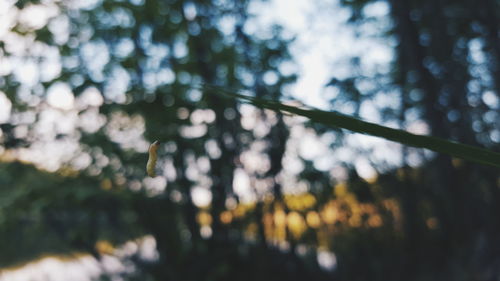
{"x":44,"y":213}
{"x":437,"y":221}
{"x":335,"y":119}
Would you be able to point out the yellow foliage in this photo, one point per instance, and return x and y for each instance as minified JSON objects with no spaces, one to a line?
{"x":296,"y":224}
{"x":279,"y":218}
{"x":329,"y":214}
{"x":375,"y":221}
{"x":300,"y":202}
{"x":106,"y":184}
{"x":204,"y":218}
{"x":432,"y":223}
{"x":313,"y":219}
{"x":104,"y":247}
{"x":226,"y":217}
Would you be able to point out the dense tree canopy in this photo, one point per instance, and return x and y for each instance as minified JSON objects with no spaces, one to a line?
{"x":93,"y":83}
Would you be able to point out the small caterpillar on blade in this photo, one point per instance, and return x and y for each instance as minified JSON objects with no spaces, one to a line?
{"x":153,"y":156}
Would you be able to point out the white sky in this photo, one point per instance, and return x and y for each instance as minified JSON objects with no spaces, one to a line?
{"x":322,"y":44}
{"x":323,"y":41}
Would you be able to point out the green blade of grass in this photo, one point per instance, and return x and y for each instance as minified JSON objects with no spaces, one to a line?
{"x":338,"y":120}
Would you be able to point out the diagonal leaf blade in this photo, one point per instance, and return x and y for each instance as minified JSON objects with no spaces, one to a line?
{"x":334,"y":119}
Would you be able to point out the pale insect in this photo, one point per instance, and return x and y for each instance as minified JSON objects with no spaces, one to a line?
{"x":153,"y":156}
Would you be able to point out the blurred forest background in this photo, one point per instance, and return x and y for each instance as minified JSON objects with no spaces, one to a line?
{"x":87,"y":85}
